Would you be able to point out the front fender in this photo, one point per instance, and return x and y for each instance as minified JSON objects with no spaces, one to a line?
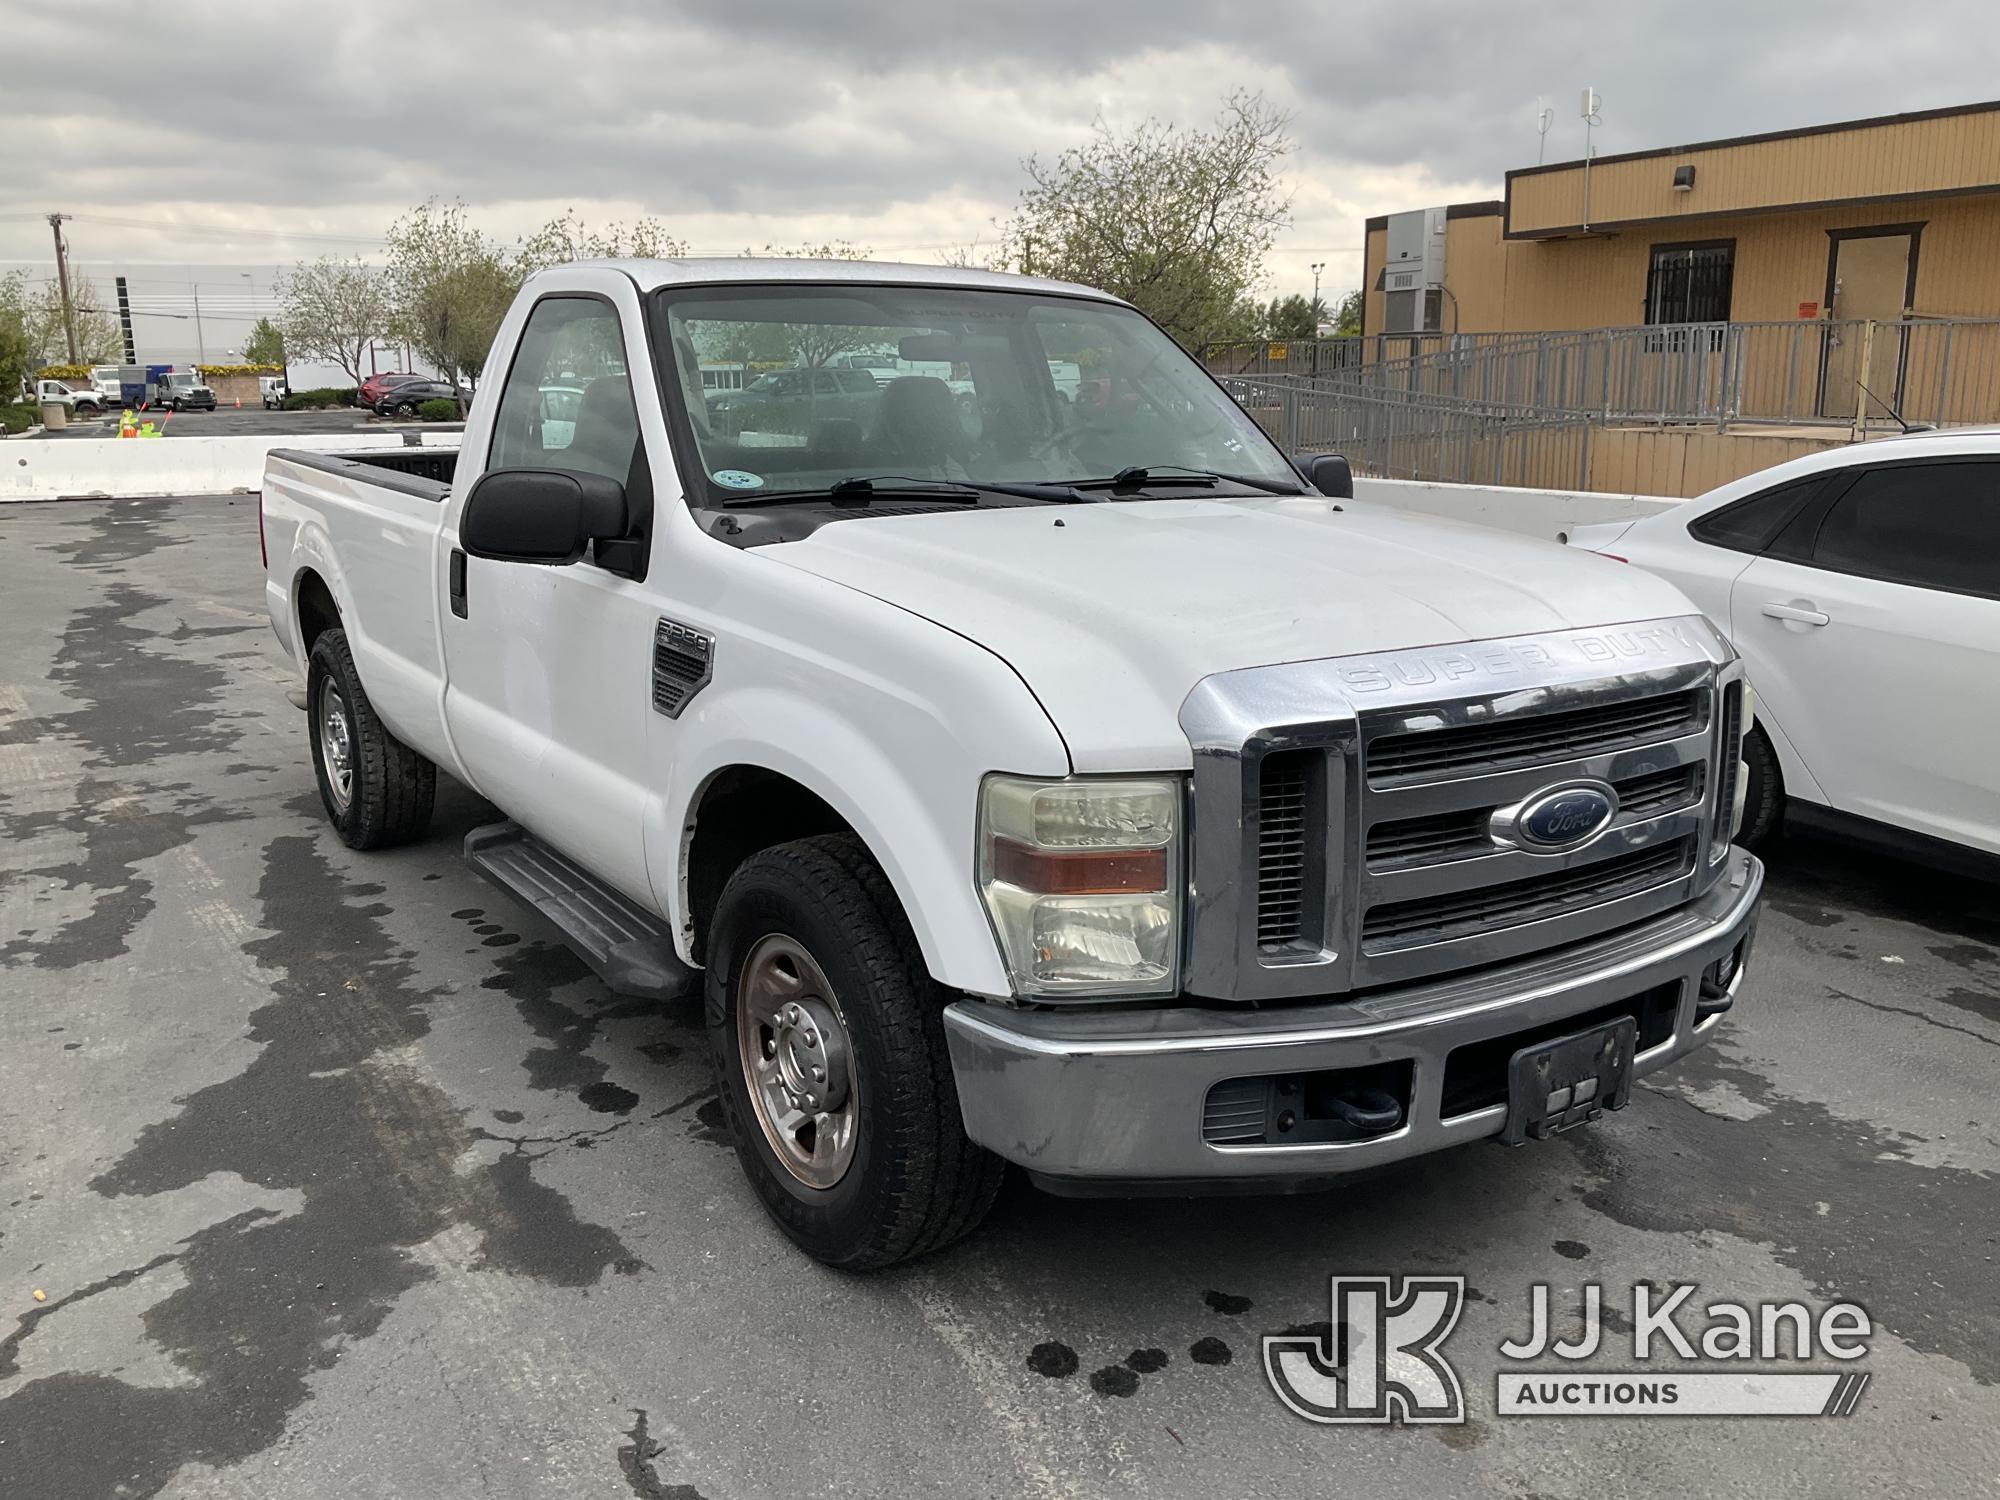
{"x":910,"y":791}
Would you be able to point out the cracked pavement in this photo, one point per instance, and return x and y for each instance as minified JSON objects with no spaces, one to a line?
{"x":340,"y":1177}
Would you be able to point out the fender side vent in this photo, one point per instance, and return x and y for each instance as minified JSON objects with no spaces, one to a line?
{"x":682,"y":663}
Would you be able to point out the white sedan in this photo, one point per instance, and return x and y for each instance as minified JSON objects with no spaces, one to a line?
{"x":1862,"y":586}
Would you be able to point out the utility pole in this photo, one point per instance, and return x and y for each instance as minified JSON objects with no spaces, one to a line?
{"x":62,"y":281}
{"x":1027,"y":255}
{"x":201,"y":346}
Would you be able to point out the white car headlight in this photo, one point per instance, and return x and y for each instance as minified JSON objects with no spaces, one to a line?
{"x":1083,"y":881}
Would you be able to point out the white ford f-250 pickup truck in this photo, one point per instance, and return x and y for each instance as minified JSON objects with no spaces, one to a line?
{"x":1070,"y":783}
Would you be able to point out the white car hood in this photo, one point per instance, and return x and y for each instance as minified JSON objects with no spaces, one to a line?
{"x":1111,"y":613}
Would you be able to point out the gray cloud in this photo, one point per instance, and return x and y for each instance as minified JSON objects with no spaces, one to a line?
{"x":829,"y":113}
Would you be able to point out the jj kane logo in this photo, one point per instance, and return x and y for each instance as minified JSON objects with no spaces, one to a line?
{"x":1384,"y":1359}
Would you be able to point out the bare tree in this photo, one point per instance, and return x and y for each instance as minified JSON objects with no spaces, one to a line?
{"x":331,"y":310}
{"x":41,"y":323}
{"x":566,"y":238}
{"x":815,"y":344}
{"x":1176,"y":220}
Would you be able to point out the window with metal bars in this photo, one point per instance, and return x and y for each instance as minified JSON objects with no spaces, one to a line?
{"x":1691,"y":283}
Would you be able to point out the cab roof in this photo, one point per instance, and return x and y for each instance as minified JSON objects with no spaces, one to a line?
{"x":650,"y":275}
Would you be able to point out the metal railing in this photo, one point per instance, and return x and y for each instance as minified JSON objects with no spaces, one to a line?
{"x":1939,"y":371}
{"x":1404,"y":436}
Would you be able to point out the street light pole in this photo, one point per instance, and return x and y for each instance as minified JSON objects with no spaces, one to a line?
{"x":201,"y":347}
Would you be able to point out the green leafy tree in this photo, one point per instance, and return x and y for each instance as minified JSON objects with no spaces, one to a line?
{"x":331,"y":310}
{"x":1176,"y":220}
{"x":1347,"y":314}
{"x":14,"y":315}
{"x":1293,"y":317}
{"x":448,"y":287}
{"x":265,"y":344}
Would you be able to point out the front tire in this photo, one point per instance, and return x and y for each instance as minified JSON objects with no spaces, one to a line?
{"x":1763,"y":792}
{"x":377,"y":790}
{"x":827,"y":1033}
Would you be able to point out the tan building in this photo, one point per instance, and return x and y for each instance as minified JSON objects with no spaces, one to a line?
{"x":1847,"y":277}
{"x":1886,"y":219}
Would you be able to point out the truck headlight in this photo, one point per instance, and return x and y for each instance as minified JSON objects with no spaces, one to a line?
{"x":1083,"y":881}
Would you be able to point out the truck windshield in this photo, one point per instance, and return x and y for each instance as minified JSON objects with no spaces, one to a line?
{"x":970,"y":386}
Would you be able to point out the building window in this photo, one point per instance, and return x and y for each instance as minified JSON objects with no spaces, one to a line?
{"x":1690,"y":283}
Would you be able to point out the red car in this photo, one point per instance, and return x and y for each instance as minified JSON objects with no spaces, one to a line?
{"x":376,"y":386}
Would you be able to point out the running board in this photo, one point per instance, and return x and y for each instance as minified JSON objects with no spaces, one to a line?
{"x":632,"y":950}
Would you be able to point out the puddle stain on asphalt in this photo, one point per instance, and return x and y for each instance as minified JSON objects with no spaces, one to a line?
{"x":267,"y":1301}
{"x":127,"y":706}
{"x":1934,"y":1294}
{"x":635,"y":1462}
{"x":531,"y":977}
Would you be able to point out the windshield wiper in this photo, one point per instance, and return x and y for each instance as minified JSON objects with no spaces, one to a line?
{"x":863,"y":490}
{"x":1130,"y":481}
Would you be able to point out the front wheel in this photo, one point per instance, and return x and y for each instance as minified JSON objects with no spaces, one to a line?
{"x":377,"y":790}
{"x":1763,"y":792}
{"x":827,"y":1034}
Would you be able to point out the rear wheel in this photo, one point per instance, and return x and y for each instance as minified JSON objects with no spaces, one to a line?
{"x":1763,"y":791}
{"x":828,"y":1038}
{"x":377,"y":790}
{"x":406,"y":409}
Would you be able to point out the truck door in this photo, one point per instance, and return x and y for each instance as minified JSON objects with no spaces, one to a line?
{"x":548,"y":669}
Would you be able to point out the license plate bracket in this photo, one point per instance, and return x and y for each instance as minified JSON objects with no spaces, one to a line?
{"x":1556,"y":1086}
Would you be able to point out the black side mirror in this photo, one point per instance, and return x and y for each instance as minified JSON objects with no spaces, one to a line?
{"x":540,"y":515}
{"x":1330,"y":474}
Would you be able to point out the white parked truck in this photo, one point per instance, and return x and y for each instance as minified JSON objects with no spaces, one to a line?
{"x":1083,"y":785}
{"x":80,"y":400}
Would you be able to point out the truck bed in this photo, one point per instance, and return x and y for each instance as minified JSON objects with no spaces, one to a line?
{"x":423,"y":472}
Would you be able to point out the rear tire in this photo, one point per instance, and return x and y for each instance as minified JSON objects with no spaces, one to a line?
{"x":377,"y":790}
{"x":1763,"y":794}
{"x":909,"y":1180}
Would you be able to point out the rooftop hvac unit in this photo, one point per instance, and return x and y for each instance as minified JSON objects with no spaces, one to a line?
{"x":1413,"y":272}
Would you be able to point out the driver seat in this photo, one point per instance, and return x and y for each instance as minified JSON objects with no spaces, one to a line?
{"x":917,"y":422}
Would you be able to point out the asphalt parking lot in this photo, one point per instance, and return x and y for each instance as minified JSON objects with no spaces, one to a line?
{"x":338,"y":1177}
{"x":251,"y":421}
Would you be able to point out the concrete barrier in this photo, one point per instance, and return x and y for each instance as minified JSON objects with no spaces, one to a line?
{"x":120,"y":468}
{"x":117,"y":468}
{"x":1544,"y":513}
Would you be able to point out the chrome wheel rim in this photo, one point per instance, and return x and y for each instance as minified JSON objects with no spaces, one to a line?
{"x":336,"y":745}
{"x":797,"y":1061}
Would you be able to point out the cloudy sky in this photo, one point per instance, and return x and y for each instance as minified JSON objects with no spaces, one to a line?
{"x":228,"y":138}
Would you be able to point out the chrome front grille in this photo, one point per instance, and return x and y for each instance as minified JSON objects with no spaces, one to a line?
{"x":1531,"y":740}
{"x":1281,"y":848}
{"x":1354,"y":820}
{"x":1402,"y":842}
{"x":1456,"y":914}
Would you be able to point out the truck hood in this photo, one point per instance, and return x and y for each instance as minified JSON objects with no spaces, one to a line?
{"x":1112,"y":613}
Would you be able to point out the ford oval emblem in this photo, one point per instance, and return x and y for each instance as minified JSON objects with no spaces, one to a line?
{"x":1563,"y":817}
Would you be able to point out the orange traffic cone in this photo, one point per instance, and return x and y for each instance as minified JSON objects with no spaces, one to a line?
{"x":239,"y":403}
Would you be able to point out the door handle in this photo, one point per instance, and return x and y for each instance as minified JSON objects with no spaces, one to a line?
{"x":1794,"y":612}
{"x":458,"y":605}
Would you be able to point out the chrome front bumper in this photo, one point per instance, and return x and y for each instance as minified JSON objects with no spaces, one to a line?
{"x":1115,"y":1097}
